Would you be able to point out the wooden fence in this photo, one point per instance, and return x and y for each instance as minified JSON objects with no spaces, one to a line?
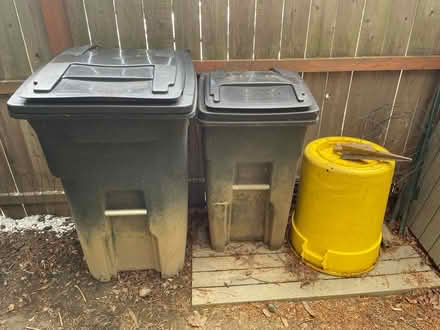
{"x":370,"y":64}
{"x":424,"y":217}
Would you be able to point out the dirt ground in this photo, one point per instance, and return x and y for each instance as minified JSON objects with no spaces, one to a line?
{"x":44,"y":284}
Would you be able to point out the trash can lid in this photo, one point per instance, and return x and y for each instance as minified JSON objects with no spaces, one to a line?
{"x":276,"y":95}
{"x":90,"y":80}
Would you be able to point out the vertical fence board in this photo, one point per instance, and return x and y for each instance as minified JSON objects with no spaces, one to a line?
{"x":76,"y":18}
{"x":408,"y":97}
{"x":56,"y":25}
{"x":372,"y":93}
{"x":34,"y":31}
{"x":370,"y":103}
{"x":348,"y":20}
{"x":214,"y":29}
{"x":187,"y":26}
{"x":334,"y":104}
{"x":316,"y":82}
{"x":7,"y":186}
{"x":435,"y":252}
{"x":425,"y":40}
{"x":159,"y":24}
{"x":424,"y":103}
{"x":13,"y":60}
{"x":295,"y":23}
{"x":102,"y":24}
{"x":241,"y":28}
{"x":268,"y":28}
{"x":432,"y":230}
{"x":130,"y":23}
{"x":18,"y":157}
{"x":322,"y":28}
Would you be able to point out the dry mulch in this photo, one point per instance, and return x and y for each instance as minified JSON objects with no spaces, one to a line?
{"x":45,"y":284}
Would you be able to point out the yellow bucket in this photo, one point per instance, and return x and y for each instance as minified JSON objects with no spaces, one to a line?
{"x":337,"y":225}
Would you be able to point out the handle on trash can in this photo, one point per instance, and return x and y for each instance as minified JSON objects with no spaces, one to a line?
{"x":124,"y":212}
{"x":219,"y":79}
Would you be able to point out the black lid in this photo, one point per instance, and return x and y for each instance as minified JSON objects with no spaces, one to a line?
{"x":272,"y":96}
{"x":91,"y":80}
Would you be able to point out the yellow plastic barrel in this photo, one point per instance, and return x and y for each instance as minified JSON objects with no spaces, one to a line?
{"x":337,"y":225}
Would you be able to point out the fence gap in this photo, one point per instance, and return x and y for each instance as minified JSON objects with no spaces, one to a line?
{"x":255,"y":29}
{"x":227,"y":32}
{"x":200,"y":26}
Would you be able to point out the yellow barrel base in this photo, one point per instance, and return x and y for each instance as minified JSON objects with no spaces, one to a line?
{"x":332,"y":262}
{"x":329,"y":272}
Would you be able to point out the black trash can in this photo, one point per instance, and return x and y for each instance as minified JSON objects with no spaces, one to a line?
{"x":254,"y":125}
{"x":113,"y":124}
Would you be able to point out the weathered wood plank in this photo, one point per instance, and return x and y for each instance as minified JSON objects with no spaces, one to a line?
{"x":424,"y":103}
{"x":130,"y":23}
{"x":410,"y":88}
{"x":15,"y":147}
{"x":76,"y":18}
{"x":241,"y":28}
{"x":334,"y":64}
{"x":400,"y":252}
{"x":386,"y":27}
{"x":432,"y":231}
{"x":418,"y":87}
{"x":187,"y":26}
{"x":13,"y":60}
{"x":429,"y":176}
{"x":45,"y":197}
{"x":375,"y":285}
{"x":34,"y":31}
{"x":240,"y":262}
{"x":317,"y":84}
{"x":267,"y":260}
{"x":428,"y":208}
{"x":236,"y":248}
{"x":268,"y":28}
{"x":322,"y":28}
{"x":370,"y":103}
{"x":348,"y":20}
{"x":295,"y":24}
{"x":159,"y":24}
{"x":423,"y":206}
{"x":334,"y":104}
{"x":434,"y":252}
{"x":425,"y":38}
{"x":214,"y":29}
{"x":57,"y":28}
{"x":384,"y":32}
{"x":282,"y":274}
{"x":102,"y":24}
{"x":6,"y":182}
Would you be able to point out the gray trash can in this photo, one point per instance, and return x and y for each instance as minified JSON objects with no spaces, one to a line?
{"x":254,"y":125}
{"x":113,"y":125}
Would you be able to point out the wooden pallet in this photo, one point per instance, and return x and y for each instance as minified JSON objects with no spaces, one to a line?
{"x":250,"y":272}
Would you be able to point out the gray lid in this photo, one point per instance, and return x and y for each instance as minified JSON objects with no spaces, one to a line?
{"x":101,"y":73}
{"x":276,"y":97}
{"x":277,"y":89}
{"x":86,"y":82}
